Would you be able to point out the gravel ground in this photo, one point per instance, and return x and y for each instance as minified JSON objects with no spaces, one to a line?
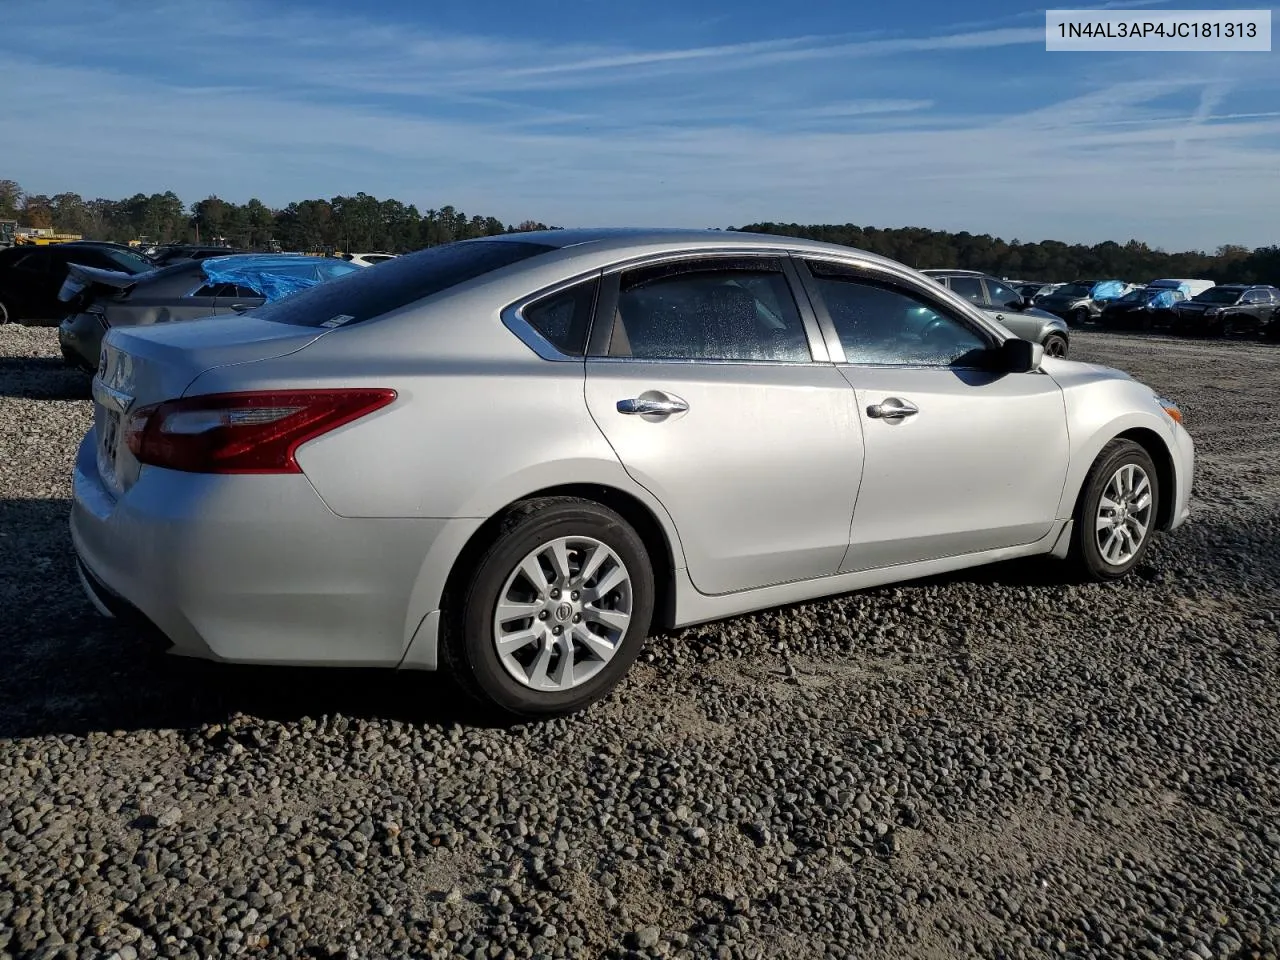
{"x":987,"y":764}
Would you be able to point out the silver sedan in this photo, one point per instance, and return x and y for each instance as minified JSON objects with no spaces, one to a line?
{"x":511,"y":458}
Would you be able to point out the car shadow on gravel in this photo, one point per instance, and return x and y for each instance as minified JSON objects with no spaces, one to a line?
{"x":42,"y":378}
{"x":70,"y":671}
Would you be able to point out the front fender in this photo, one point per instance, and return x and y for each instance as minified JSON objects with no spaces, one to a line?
{"x":1098,"y":411}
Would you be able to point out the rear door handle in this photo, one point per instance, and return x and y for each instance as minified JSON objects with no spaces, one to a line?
{"x":660,"y":406}
{"x":893,"y":408}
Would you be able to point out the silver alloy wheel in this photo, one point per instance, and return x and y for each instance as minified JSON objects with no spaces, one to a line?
{"x":1124,"y":514}
{"x":1055,"y":347}
{"x":562,"y":613}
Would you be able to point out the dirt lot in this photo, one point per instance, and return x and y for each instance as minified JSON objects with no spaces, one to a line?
{"x":988,"y":764}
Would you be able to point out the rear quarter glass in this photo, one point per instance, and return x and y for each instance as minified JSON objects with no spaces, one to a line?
{"x":396,"y":283}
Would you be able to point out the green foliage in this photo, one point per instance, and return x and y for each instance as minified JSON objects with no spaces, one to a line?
{"x":360,"y":223}
{"x":1049,"y":260}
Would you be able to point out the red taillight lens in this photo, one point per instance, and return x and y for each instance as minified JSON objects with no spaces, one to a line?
{"x":243,"y":432}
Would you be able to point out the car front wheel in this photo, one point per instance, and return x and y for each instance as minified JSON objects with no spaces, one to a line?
{"x":1079,"y":317}
{"x":556,"y":610}
{"x":1116,"y":512}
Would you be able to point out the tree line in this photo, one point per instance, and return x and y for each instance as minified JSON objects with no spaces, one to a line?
{"x":365,"y":223}
{"x":1047,"y":260}
{"x":360,"y":223}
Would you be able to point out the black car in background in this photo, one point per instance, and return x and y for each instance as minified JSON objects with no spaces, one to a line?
{"x":30,"y":277}
{"x":1142,"y":309}
{"x":1229,"y":309}
{"x":173,"y":253}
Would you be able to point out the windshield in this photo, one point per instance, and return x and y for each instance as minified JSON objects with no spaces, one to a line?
{"x":1218,"y":295}
{"x":1074,"y":290}
{"x":1137,"y":296}
{"x":365,"y":294}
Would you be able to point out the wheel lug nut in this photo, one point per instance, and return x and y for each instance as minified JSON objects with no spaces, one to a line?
{"x":577,"y":618}
{"x":555,"y":594}
{"x":557,"y":630}
{"x":542,"y":614}
{"x":574,"y":595}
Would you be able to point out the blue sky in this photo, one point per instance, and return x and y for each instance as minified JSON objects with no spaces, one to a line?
{"x":599,"y":112}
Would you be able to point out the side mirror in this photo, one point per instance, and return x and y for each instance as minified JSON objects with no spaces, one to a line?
{"x":1019,"y":356}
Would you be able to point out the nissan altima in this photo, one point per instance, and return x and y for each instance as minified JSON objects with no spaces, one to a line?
{"x":512,"y":458}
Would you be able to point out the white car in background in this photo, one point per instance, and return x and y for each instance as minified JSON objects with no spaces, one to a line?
{"x":367,"y":259}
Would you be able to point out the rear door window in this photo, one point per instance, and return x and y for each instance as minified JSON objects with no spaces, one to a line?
{"x":709,"y":310}
{"x":366,"y":294}
{"x":37,"y":261}
{"x":968,"y":287}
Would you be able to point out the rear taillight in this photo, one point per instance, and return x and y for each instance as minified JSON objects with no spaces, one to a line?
{"x":255,"y":432}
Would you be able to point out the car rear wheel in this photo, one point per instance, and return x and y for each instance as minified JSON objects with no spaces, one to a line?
{"x":1055,"y":345}
{"x":1116,"y":512}
{"x":556,"y":610}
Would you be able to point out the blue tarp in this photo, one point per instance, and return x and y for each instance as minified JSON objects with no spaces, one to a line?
{"x":1108,"y":289}
{"x":1161,"y":297}
{"x":275,"y":276}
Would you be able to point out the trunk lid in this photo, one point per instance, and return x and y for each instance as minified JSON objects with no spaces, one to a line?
{"x":83,"y":283}
{"x":145,"y":365}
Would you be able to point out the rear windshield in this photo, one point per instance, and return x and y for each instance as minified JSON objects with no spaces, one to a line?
{"x":371,"y":293}
{"x":129,"y":262}
{"x":1219,"y":295}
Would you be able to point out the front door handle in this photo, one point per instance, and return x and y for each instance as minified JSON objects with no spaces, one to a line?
{"x":893,"y":408}
{"x":662,"y":406}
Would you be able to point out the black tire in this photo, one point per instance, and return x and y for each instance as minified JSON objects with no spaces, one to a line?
{"x":1079,"y":317}
{"x":6,"y":314}
{"x":1055,"y":345}
{"x":468,"y":650}
{"x":1085,"y":553}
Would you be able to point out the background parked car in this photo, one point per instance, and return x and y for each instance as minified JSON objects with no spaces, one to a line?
{"x":1008,"y":307}
{"x":1082,"y":301}
{"x":1142,"y":308}
{"x":173,"y":253}
{"x":1229,"y":309}
{"x":30,"y":277}
{"x":188,"y":290}
{"x":1191,"y":288}
{"x":1034,"y":288}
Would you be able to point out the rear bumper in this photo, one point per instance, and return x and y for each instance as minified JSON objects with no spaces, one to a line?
{"x":256,"y":569}
{"x":80,"y":339}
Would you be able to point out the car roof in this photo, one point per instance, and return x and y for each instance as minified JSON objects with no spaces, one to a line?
{"x":955,"y":273}
{"x":616,"y":242}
